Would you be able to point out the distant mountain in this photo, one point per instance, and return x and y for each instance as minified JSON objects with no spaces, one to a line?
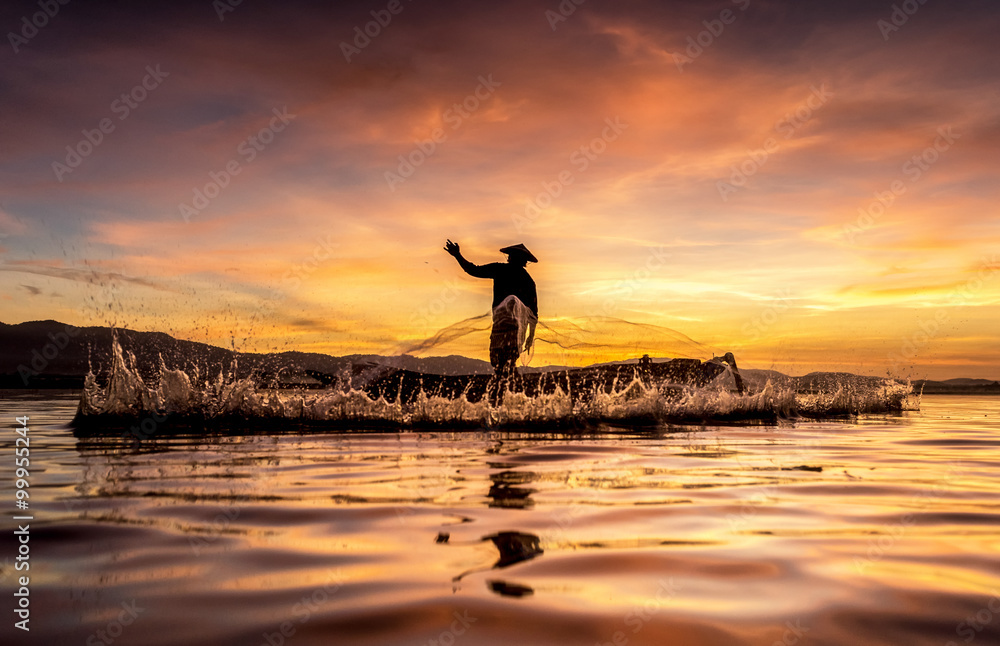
{"x":961,"y":381}
{"x":957,"y":387}
{"x":50,"y":354}
{"x":44,"y":354}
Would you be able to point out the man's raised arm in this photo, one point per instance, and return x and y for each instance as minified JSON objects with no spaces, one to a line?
{"x":471,"y":269}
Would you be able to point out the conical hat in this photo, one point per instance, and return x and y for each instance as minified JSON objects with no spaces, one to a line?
{"x":521,"y":250}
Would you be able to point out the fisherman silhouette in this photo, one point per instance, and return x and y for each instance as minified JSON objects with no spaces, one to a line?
{"x":515,"y":305}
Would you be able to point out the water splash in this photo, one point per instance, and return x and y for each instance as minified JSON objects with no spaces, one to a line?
{"x":225,"y":398}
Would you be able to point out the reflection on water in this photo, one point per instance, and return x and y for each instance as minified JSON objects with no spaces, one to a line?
{"x":506,"y":492}
{"x":878,"y":530}
{"x":513,"y":548}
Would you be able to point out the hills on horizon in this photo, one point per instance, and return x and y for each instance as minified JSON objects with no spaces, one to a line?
{"x":45,"y":354}
{"x":50,"y":354}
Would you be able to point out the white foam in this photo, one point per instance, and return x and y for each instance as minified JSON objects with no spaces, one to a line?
{"x":177,"y":392}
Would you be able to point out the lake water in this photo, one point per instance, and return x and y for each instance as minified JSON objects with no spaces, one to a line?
{"x":873,"y":530}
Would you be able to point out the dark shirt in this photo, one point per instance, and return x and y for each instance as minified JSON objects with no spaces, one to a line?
{"x":508,"y":280}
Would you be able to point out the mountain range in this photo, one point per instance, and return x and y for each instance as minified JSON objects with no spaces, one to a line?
{"x":50,"y":354}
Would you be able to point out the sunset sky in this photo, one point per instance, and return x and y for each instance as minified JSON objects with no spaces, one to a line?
{"x":708,"y":168}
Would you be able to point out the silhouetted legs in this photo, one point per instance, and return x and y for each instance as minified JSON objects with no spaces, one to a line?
{"x":504,"y":352}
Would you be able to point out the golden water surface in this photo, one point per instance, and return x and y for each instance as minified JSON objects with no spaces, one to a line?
{"x":878,"y":530}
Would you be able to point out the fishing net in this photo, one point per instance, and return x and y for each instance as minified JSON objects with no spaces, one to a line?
{"x":569,"y":341}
